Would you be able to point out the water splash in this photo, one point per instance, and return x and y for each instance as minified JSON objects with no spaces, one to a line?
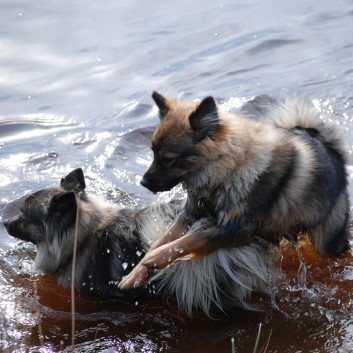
{"x":302,"y":271}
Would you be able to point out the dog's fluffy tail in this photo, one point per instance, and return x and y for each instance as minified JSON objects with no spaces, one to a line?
{"x":297,"y":112}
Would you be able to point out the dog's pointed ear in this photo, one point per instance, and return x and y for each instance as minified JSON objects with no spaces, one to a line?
{"x":162,"y":104}
{"x":63,"y":206}
{"x":204,"y":121}
{"x":74,"y":181}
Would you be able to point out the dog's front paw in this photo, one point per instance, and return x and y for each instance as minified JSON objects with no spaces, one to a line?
{"x":160,"y":258}
{"x":136,"y":278}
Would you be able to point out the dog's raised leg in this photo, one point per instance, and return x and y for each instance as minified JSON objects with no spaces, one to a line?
{"x":138,"y":276}
{"x":196,"y":244}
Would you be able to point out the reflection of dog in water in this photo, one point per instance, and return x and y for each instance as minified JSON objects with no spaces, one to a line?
{"x":110,"y":241}
{"x":270,"y":178}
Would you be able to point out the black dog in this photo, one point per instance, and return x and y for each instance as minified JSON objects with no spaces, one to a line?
{"x":110,"y":241}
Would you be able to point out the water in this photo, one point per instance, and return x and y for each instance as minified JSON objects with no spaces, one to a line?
{"x":75,"y":86}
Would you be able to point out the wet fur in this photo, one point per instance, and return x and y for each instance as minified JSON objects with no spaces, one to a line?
{"x":272,"y":177}
{"x":112,"y":240}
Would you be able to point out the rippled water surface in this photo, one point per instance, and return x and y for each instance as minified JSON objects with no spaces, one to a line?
{"x":75,"y":91}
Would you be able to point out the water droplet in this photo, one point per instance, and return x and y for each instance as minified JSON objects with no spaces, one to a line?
{"x":179,"y":250}
{"x":321,"y":310}
{"x":52,"y":155}
{"x":108,"y":251}
{"x":124,"y":264}
{"x":166,"y":334}
{"x":138,"y":253}
{"x":329,"y":315}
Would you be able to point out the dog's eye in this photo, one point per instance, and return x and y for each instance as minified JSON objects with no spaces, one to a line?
{"x":24,"y":217}
{"x":168,"y":161}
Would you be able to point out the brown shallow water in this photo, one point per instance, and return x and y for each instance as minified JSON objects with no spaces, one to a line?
{"x":311,"y":312}
{"x":75,"y":91}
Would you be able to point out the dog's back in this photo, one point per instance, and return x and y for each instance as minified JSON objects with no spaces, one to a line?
{"x":308,"y":179}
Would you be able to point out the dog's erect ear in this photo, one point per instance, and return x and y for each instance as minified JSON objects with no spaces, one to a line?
{"x":63,"y":207}
{"x":204,"y":121}
{"x":162,"y":104}
{"x":74,"y":181}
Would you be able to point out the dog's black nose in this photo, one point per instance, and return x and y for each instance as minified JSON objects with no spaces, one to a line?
{"x":145,"y":182}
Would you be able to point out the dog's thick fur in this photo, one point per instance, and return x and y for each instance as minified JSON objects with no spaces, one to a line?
{"x":273,"y":177}
{"x":112,"y":240}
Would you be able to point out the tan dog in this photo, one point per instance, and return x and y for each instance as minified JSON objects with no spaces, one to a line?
{"x":272,"y":178}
